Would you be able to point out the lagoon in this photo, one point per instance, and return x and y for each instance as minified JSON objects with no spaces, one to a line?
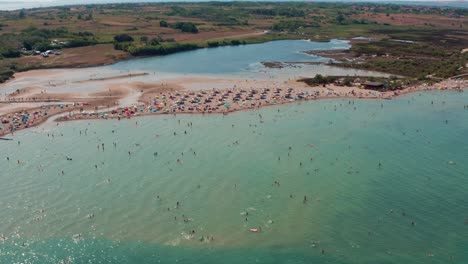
{"x":233,"y":59}
{"x":232,"y":63}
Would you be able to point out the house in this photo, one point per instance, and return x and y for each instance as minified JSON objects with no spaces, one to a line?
{"x":373,"y":85}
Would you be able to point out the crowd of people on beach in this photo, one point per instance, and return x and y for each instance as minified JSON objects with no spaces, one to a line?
{"x":23,"y":119}
{"x":235,"y":99}
{"x":208,"y":101}
{"x":223,"y":101}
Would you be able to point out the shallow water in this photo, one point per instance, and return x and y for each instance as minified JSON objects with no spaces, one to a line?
{"x":244,"y":61}
{"x":356,"y":210}
{"x":233,"y":59}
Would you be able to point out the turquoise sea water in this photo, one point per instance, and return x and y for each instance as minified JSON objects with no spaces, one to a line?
{"x":329,"y":151}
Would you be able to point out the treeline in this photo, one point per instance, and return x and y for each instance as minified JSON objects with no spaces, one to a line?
{"x":319,"y":80}
{"x":285,"y":12}
{"x":221,"y":16}
{"x":188,"y":27}
{"x":169,"y":48}
{"x":161,"y":49}
{"x":293,"y":25}
{"x":233,"y":42}
{"x":39,"y":39}
{"x":154,"y":47}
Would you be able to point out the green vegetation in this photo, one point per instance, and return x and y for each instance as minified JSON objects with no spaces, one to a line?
{"x":320,"y":80}
{"x":5,"y":74}
{"x":123,"y":38}
{"x":164,"y":28}
{"x":391,"y":83}
{"x":186,"y":27}
{"x":292,"y":25}
{"x":161,"y":49}
{"x":232,"y":42}
{"x":277,"y":11}
{"x":433,"y":53}
{"x":163,"y":23}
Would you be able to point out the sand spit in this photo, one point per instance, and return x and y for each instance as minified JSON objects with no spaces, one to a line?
{"x":124,"y":97}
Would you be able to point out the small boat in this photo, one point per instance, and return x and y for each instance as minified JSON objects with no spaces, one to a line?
{"x":255,"y":230}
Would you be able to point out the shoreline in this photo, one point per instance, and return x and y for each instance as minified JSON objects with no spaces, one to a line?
{"x":128,"y":56}
{"x":271,"y":97}
{"x":95,"y":116}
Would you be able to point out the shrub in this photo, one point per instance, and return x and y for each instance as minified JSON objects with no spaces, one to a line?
{"x":187,"y":27}
{"x":212,"y":44}
{"x":10,"y":53}
{"x":162,"y":49}
{"x":80,"y":42}
{"x":163,"y":23}
{"x":123,"y":38}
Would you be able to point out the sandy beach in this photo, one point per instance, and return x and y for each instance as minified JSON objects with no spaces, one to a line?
{"x":105,"y":96}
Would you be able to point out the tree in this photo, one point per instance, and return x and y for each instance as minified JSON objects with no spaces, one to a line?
{"x":187,"y":27}
{"x":144,"y":39}
{"x":163,"y":23}
{"x":340,"y":19}
{"x":319,"y":79}
{"x":123,"y":38}
{"x":10,"y":53}
{"x":31,"y":42}
{"x":22,"y":14}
